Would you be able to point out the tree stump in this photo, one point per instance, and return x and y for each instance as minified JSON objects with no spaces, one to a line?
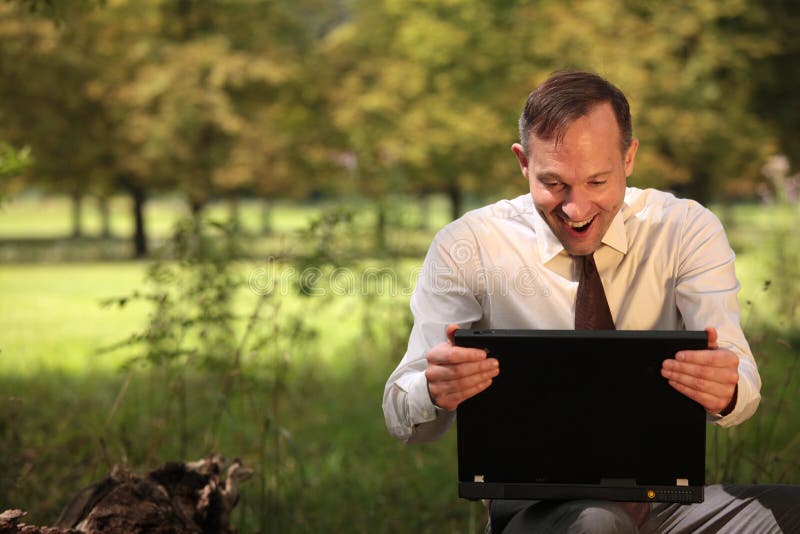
{"x":176,"y":498}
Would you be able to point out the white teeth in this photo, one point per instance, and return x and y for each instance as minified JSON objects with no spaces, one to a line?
{"x":579,"y":224}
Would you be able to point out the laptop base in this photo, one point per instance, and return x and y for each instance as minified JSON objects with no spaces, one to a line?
{"x":488,"y":490}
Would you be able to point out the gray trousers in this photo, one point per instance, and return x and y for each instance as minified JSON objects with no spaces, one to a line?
{"x":726,"y":509}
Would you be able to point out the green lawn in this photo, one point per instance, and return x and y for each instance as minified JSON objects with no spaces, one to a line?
{"x":33,"y":215}
{"x":306,"y":415}
{"x":37,"y":228}
{"x":52,"y":318}
{"x":338,"y":469}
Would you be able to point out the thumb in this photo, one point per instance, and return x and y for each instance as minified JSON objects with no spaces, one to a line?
{"x":451,"y":333}
{"x":712,"y":337}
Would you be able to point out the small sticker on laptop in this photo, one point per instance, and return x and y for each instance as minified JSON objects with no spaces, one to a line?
{"x":681,"y":481}
{"x":478,"y":478}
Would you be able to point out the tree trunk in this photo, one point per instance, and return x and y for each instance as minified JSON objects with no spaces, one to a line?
{"x":266,"y":217}
{"x":105,"y":217}
{"x":139,"y":235}
{"x":196,"y":206}
{"x":234,"y":213}
{"x":456,"y":201}
{"x":380,"y":226}
{"x":700,"y":187}
{"x":77,"y":214}
{"x":424,"y":211}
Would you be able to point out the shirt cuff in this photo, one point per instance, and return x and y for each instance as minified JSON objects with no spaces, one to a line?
{"x":747,"y":399}
{"x":420,"y":406}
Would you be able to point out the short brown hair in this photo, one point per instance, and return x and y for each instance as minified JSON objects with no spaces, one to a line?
{"x":566,"y":96}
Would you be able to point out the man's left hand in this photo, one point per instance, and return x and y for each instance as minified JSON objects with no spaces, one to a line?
{"x":706,"y":376}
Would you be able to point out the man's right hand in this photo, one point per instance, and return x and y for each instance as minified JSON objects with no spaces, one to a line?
{"x":455,"y":374}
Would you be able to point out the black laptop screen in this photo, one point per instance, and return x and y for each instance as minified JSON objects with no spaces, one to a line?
{"x":581,"y":407}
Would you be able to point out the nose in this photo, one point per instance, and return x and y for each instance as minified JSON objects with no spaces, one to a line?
{"x":577,"y":205}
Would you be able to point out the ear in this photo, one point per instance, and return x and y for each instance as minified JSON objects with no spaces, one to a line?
{"x":630,"y":156}
{"x":518,"y":151}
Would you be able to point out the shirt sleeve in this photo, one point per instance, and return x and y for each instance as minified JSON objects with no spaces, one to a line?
{"x":445,"y":294}
{"x":706,"y":294}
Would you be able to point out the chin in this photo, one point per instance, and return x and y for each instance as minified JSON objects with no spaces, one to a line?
{"x":582,"y":249}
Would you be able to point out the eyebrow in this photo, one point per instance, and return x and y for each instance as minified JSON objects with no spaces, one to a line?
{"x":542,"y":176}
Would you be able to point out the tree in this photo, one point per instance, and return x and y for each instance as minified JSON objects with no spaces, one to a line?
{"x":285,"y":99}
{"x":685,"y":67}
{"x":280,"y":149}
{"x":158,"y":96}
{"x":777,"y":76}
{"x":420,"y":97}
{"x":433,"y":89}
{"x":61,"y":125}
{"x":208,"y":112}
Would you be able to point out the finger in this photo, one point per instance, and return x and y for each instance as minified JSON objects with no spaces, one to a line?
{"x":723,"y":375}
{"x":713,"y":358}
{"x":451,"y":333}
{"x":711,"y":403}
{"x":701,"y":385}
{"x":712,"y":337}
{"x":450,"y":401}
{"x":455,"y":388}
{"x":444,"y":354}
{"x":488,"y":368}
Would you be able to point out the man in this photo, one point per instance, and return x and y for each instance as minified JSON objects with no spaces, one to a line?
{"x":665,"y":264}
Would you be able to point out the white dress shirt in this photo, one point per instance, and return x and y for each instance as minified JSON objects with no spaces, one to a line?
{"x":665,"y":264}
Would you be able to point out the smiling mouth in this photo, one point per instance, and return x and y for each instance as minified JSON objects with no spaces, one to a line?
{"x":580,"y":226}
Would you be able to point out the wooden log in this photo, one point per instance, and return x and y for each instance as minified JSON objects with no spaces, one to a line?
{"x":176,"y":498}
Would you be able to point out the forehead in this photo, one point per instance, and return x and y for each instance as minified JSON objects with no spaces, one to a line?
{"x":590,"y":137}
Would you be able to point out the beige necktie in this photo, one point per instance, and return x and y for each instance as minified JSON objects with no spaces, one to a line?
{"x":591,"y":307}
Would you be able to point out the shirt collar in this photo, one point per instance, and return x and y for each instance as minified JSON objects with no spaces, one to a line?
{"x":549,"y":245}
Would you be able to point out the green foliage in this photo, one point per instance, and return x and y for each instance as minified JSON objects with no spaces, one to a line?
{"x":302,"y":406}
{"x":13,"y":163}
{"x":367,"y":98}
{"x":375,"y":98}
{"x":192,"y":295}
{"x":768,"y":255}
{"x":190,"y":328}
{"x":196,"y":346}
{"x":190,"y":97}
{"x":429,"y":93}
{"x":326,"y":233}
{"x":59,"y":10}
{"x":422,"y":97}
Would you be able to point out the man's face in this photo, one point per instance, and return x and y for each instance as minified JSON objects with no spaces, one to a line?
{"x":579,"y":186}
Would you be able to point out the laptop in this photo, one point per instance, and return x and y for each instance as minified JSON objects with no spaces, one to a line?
{"x":581,"y":415}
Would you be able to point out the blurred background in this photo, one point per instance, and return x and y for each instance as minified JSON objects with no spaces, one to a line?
{"x":212,"y":214}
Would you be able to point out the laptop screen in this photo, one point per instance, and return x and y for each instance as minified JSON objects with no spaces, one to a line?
{"x":581,"y":414}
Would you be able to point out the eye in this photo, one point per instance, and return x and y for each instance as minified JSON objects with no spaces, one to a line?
{"x":553,"y":186}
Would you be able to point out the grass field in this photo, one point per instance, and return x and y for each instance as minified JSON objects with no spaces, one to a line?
{"x":37,"y":228}
{"x":33,"y":215}
{"x":305,"y":411}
